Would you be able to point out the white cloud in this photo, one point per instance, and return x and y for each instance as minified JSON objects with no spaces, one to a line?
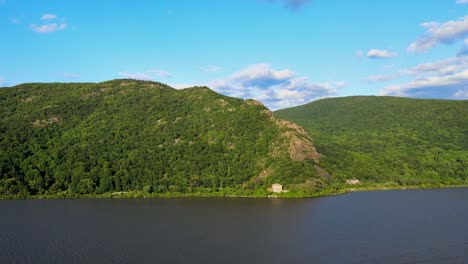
{"x":69,"y":75}
{"x":181,"y":85}
{"x":159,"y":73}
{"x":340,"y":84}
{"x":2,"y":82}
{"x":380,"y":54}
{"x":149,"y":75}
{"x":49,"y":27}
{"x":380,"y":78}
{"x":441,"y":79}
{"x":258,"y":74}
{"x":461,"y":94}
{"x":211,"y":68}
{"x":462,"y":1}
{"x":48,"y":17}
{"x":293,"y":4}
{"x":136,"y":76}
{"x":443,"y":67}
{"x":275,"y":88}
{"x":436,"y":33}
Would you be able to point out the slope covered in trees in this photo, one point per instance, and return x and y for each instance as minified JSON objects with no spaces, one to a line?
{"x":129,"y":136}
{"x":388,"y":139}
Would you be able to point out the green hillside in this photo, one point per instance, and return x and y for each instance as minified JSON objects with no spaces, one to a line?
{"x":388,"y":139}
{"x":136,"y":136}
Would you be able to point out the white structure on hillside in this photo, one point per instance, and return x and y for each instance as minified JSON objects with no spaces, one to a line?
{"x":353,"y":182}
{"x":277,"y":188}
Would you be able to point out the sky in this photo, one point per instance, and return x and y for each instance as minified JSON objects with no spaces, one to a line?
{"x":281,"y":52}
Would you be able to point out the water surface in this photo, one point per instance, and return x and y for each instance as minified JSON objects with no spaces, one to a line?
{"x":417,"y":226}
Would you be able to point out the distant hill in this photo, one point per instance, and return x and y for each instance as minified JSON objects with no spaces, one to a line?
{"x":388,"y":139}
{"x":127,"y":135}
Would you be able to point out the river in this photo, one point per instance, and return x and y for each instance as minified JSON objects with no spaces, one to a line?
{"x":413,"y":226}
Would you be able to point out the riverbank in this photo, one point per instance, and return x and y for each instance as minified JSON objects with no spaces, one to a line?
{"x":337,"y":189}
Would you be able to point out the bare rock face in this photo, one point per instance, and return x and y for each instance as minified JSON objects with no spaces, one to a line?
{"x":300,"y":145}
{"x":298,"y":142}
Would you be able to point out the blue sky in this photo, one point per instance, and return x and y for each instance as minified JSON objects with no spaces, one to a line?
{"x":281,"y":52}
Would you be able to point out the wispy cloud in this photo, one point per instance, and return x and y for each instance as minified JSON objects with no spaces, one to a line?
{"x":462,"y":1}
{"x":275,"y":88}
{"x":380,"y":78}
{"x":437,"y":33}
{"x":149,"y":75}
{"x":69,"y":75}
{"x":291,"y":4}
{"x":48,"y":17}
{"x":441,"y":79}
{"x":159,"y":73}
{"x":381,"y":54}
{"x":211,"y":68}
{"x":443,"y":67}
{"x":48,"y":26}
{"x":136,"y":76}
{"x":2,"y":82}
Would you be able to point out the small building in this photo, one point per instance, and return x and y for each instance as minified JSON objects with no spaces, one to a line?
{"x":277,"y":188}
{"x":353,"y":182}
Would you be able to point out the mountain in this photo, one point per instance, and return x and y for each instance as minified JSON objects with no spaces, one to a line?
{"x":388,"y":139}
{"x":137,"y":136}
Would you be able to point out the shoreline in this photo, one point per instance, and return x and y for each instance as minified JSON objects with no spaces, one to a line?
{"x":332,"y":191}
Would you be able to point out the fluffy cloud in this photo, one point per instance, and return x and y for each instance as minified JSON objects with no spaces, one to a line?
{"x":442,"y":79}
{"x":381,"y":54}
{"x":275,"y":88}
{"x":436,"y":33}
{"x":262,"y":75}
{"x":292,"y":4}
{"x":48,"y":27}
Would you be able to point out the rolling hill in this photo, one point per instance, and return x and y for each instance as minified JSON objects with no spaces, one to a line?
{"x":136,"y":136}
{"x":388,"y":139}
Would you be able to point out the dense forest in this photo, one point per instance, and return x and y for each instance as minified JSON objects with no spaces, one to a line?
{"x":137,"y":136}
{"x":388,"y":139}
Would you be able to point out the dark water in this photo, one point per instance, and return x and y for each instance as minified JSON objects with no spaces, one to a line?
{"x":423,"y":226}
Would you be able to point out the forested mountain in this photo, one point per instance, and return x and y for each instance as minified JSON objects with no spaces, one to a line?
{"x":388,"y":139}
{"x":128,"y":136}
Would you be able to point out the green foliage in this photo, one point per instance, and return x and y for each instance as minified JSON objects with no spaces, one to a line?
{"x":388,"y":139}
{"x":133,"y":136}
